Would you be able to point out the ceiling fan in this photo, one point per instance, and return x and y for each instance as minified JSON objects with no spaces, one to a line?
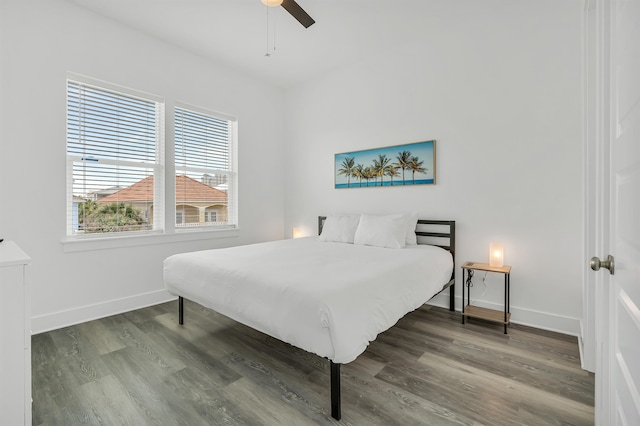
{"x":294,"y":9}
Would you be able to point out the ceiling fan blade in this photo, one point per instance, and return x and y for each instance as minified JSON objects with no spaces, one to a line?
{"x":297,"y":12}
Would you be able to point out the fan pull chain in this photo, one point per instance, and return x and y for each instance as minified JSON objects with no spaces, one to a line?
{"x":275,"y":21}
{"x":268,"y":54}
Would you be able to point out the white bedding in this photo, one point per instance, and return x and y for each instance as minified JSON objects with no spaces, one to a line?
{"x":331,"y":299}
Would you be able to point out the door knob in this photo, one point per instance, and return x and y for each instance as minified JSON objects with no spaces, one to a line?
{"x":609,"y":264}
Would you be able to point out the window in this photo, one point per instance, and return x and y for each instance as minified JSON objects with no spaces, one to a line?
{"x":114,"y":176}
{"x":210,"y":216}
{"x":116,"y":164}
{"x":205,"y":171}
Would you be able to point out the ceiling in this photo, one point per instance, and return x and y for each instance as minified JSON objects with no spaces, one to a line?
{"x":234,"y":32}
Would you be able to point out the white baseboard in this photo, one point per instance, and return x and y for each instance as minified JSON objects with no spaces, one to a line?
{"x":43,"y":323}
{"x":53,"y":321}
{"x":522,"y":316}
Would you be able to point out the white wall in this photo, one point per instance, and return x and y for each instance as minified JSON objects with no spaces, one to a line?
{"x":498,"y":85}
{"x":41,"y":42}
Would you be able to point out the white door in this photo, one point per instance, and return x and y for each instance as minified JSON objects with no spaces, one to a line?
{"x":622,"y":351}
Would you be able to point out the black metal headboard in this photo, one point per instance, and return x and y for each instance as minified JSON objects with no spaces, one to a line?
{"x":449,"y":235}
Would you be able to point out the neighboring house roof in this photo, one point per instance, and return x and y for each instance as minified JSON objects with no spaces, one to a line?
{"x":187,"y":189}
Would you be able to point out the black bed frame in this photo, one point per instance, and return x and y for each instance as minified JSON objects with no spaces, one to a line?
{"x":438,"y":236}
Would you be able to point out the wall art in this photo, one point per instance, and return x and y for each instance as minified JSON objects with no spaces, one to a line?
{"x":409,"y":164}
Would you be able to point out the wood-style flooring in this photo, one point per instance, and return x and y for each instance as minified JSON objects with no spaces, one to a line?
{"x":142,"y":368}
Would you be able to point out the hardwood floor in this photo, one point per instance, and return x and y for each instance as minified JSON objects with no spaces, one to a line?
{"x":142,"y":368}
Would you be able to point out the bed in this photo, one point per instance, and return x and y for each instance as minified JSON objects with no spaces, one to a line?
{"x":322,"y":295}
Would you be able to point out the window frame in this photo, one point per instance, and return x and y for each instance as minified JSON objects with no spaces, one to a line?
{"x":157,"y":167}
{"x":164,"y":225}
{"x":232,"y":173}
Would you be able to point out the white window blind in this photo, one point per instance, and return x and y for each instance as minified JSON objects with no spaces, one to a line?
{"x":206,"y":178}
{"x":114,"y":178}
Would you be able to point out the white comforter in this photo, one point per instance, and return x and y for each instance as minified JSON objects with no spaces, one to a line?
{"x":331,"y":299}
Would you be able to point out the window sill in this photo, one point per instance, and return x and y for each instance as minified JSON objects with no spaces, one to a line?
{"x":76,"y":244}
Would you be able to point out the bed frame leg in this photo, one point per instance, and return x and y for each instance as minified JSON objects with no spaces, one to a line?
{"x":452,"y":297}
{"x":336,"y":411}
{"x":180,"y":310}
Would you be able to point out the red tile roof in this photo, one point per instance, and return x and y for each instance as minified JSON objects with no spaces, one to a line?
{"x":187,"y":189}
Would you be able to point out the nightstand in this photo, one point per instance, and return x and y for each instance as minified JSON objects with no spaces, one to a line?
{"x":469,"y":310}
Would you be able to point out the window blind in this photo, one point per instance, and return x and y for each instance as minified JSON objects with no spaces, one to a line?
{"x":205,"y":171}
{"x":114,"y":166}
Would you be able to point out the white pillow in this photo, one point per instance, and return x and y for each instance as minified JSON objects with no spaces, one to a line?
{"x":382,"y":231}
{"x":340,"y":228}
{"x":412,"y":223}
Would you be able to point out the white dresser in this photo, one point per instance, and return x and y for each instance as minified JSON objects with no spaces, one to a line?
{"x":15,"y":336}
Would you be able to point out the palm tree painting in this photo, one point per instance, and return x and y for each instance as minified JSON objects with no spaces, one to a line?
{"x":409,"y":164}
